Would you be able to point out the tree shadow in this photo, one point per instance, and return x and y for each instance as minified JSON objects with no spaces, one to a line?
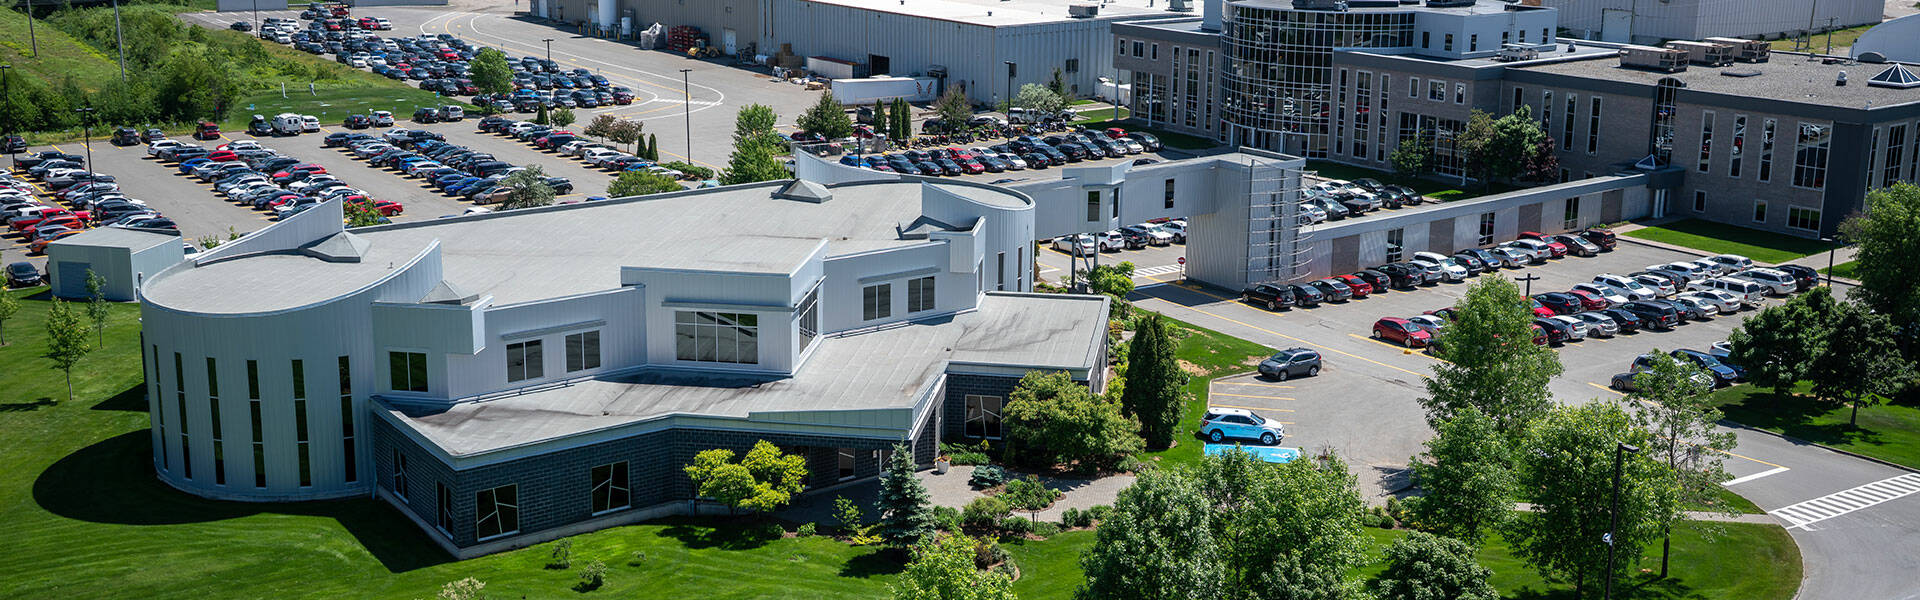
{"x":37,"y":404}
{"x":696,"y":534}
{"x":1794,"y":416}
{"x":112,"y":482}
{"x":873,"y":564}
{"x":1637,"y":587}
{"x":132,"y":399}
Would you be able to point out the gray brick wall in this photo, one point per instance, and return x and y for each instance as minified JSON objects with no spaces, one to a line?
{"x":959,"y":386}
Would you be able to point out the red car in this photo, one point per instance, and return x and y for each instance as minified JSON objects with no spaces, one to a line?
{"x":40,"y":246}
{"x":1540,"y":310}
{"x":959,"y":154}
{"x":1590,"y":300}
{"x":1401,"y":330}
{"x":368,"y":23}
{"x":207,"y":130}
{"x":387,"y":208}
{"x":1360,"y":286}
{"x":223,"y":156}
{"x":1559,"y":249}
{"x":68,"y":221}
{"x":1116,"y":132}
{"x":21,"y":224}
{"x":971,"y":166}
{"x":1539,"y":336}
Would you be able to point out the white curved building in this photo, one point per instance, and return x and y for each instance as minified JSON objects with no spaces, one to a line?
{"x":512,"y":377}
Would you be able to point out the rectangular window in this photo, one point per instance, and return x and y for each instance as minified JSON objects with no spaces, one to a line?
{"x":302,"y":442}
{"x":717,"y":337}
{"x":214,"y":432}
{"x":445,"y":507}
{"x":1437,"y":91}
{"x":1153,"y":52}
{"x":408,"y":371}
{"x":810,"y":317}
{"x":920,"y":294}
{"x":350,"y":460}
{"x":1448,"y":47}
{"x":1139,"y":49}
{"x":253,"y":379}
{"x":1473,"y":42}
{"x":1020,"y":269}
{"x":1413,"y":87}
{"x":259,"y":444}
{"x":525,"y":361}
{"x":983,"y":417}
{"x":1873,"y":158}
{"x":180,"y":403}
{"x":1734,"y":153}
{"x":583,"y":351}
{"x":1803,"y":218}
{"x":1169,"y":193}
{"x":1000,"y":276}
{"x":611,"y":490}
{"x":1122,"y":47}
{"x":1459,"y":93}
{"x":1766,"y":151}
{"x":1566,"y":129}
{"x":1759,"y":211}
{"x":1519,"y":99}
{"x":1486,"y":228}
{"x":876,"y":301}
{"x":1699,"y":201}
{"x":845,"y":462}
{"x":1523,"y":36}
{"x":1706,"y":141}
{"x":1810,"y":156}
{"x":1546,"y":110}
{"x":1396,"y":244}
{"x":1570,"y":218}
{"x":1593,"y":124}
{"x":496,"y":512}
{"x":160,"y":408}
{"x":1426,"y":39}
{"x":399,"y":474}
{"x":1896,"y":143}
{"x":1073,"y":65}
{"x":1093,"y":206}
{"x":299,"y":379}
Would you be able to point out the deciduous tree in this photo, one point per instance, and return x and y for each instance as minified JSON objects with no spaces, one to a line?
{"x":753,"y":161}
{"x":1157,"y":544}
{"x":1860,"y":364}
{"x":953,"y":109}
{"x":97,"y":310}
{"x":1035,"y":97}
{"x":906,"y":515}
{"x":1491,"y":362}
{"x":641,"y":183}
{"x":490,"y":73}
{"x":1057,"y":420}
{"x":561,"y":117}
{"x":1467,"y":475}
{"x":943,"y":569}
{"x":1672,"y":403}
{"x":9,"y":306}
{"x":754,"y":122}
{"x":1412,"y":156}
{"x":1887,"y":238}
{"x":1058,"y":85}
{"x":1777,"y":344}
{"x":1155,"y":391}
{"x":764,"y":480}
{"x":66,"y":340}
{"x":527,"y":189}
{"x":827,"y":118}
{"x":1566,"y":471}
{"x":1428,"y":567}
{"x":361,"y":214}
{"x":1114,"y":280}
{"x":1500,"y":148}
{"x":601,"y":126}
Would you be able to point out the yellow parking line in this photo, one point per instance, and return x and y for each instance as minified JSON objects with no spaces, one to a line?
{"x":1250,"y":396}
{"x":1250,"y":407}
{"x":1276,"y":333}
{"x":1284,"y":387}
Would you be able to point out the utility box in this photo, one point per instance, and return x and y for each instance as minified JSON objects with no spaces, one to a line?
{"x":1658,"y":59}
{"x":1513,"y":52}
{"x":832,"y":68}
{"x":1705,"y":53}
{"x":1745,"y":50}
{"x":124,"y":257}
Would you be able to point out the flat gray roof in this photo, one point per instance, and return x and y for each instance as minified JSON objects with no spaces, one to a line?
{"x":1001,"y":13}
{"x":526,"y":255}
{"x":1785,"y":77}
{"x":1480,"y":8}
{"x":118,"y":237}
{"x":868,"y":370}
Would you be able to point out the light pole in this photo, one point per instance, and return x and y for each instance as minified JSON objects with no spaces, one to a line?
{"x":686,"y":105}
{"x":30,"y":34}
{"x":1620,"y":451}
{"x":256,"y":17}
{"x":1010,"y":68}
{"x":549,"y":42}
{"x":1529,"y":279}
{"x":86,"y":132}
{"x":120,"y":42}
{"x":6,"y":91}
{"x":1834,"y":245}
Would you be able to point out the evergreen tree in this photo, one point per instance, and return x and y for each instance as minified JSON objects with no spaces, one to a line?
{"x":1155,"y":390}
{"x":906,"y":515}
{"x":880,"y":117}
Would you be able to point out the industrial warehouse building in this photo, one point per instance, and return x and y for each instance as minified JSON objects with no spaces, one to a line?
{"x":965,"y":43}
{"x":501,"y":388}
{"x":1643,"y":22}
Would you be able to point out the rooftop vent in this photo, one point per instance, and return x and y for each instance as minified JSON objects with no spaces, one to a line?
{"x":1740,"y":73}
{"x":1896,"y":76}
{"x":1180,"y":5}
{"x":1871,"y":57}
{"x":1448,"y":3}
{"x":1083,"y":11}
{"x":804,"y":191}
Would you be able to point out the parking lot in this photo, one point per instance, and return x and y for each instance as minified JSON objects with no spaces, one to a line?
{"x":1364,"y":402}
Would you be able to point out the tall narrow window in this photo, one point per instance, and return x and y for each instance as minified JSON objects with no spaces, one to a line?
{"x":1699,"y":201}
{"x":1593,"y":124}
{"x":399,"y":474}
{"x":876,"y":301}
{"x":1766,"y":150}
{"x":1739,"y":149}
{"x":496,"y":512}
{"x":1396,"y":240}
{"x":524,"y":361}
{"x":444,"y":506}
{"x":611,"y":490}
{"x":983,"y":417}
{"x":259,"y":425}
{"x":920,"y":295}
{"x":1448,"y":46}
{"x":180,"y":403}
{"x":1706,"y":141}
{"x":1169,"y":194}
{"x":1020,"y":269}
{"x":1566,"y":128}
{"x":1570,"y":218}
{"x":810,"y":316}
{"x":1486,"y":228}
{"x":302,"y":442}
{"x":214,"y":432}
{"x":1810,"y":155}
{"x":160,"y":408}
{"x":350,"y":458}
{"x":1896,"y":143}
{"x":1519,"y":99}
{"x":1093,"y":206}
{"x":846,"y":463}
{"x":583,"y":351}
{"x":408,"y":371}
{"x":1759,"y":211}
{"x":1000,"y":281}
{"x":1663,"y":111}
{"x":1546,"y":110}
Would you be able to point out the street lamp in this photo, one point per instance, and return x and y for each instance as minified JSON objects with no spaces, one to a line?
{"x":1529,"y":279}
{"x":1833,"y":243}
{"x":549,"y":42}
{"x":86,"y":132}
{"x":6,"y":91}
{"x":1010,"y":68}
{"x":1620,"y":450}
{"x":686,"y":105}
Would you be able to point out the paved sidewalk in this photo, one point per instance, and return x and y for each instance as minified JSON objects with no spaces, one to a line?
{"x":951,"y":490}
{"x":1704,"y":516}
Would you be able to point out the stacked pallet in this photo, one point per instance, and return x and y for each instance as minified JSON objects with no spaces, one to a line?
{"x":682,"y":37}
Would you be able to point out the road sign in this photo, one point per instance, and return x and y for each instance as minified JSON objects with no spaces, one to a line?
{"x":1183,"y":260}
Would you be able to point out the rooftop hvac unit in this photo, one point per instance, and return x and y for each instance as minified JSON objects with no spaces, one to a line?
{"x":1083,"y":11}
{"x":1448,"y":3}
{"x":1705,"y":53}
{"x":1658,"y":59}
{"x":1513,"y":52}
{"x":1339,"y":5}
{"x":1744,"y":50}
{"x":1180,"y":5}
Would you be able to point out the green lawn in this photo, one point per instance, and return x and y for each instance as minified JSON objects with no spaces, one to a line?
{"x":1111,"y":113}
{"x":1710,"y":560}
{"x":1442,"y":189}
{"x":1889,"y":432}
{"x":1214,"y":354}
{"x":332,"y":105}
{"x":1842,"y":38}
{"x":1845,"y":269}
{"x":1720,"y":238}
{"x":1050,"y":569}
{"x":60,"y":55}
{"x":1169,"y":139}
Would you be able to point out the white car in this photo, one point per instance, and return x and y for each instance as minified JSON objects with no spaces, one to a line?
{"x":376,"y":61}
{"x":1177,"y":227}
{"x":154,"y":148}
{"x":1729,"y":262}
{"x":1725,"y":302}
{"x":667,"y":172}
{"x":606,"y":160}
{"x":1161,"y":237}
{"x":1632,"y":288}
{"x":309,"y":123}
{"x":1429,"y":323}
{"x":1430,"y":271}
{"x":1613,"y":295}
{"x":1449,"y":270}
{"x":1660,"y":285}
{"x":1312,"y":214}
{"x":1110,"y":240}
{"x":382,"y":118}
{"x":1598,"y":325}
{"x":1014,"y":162}
{"x":1077,"y":245}
{"x":1687,"y":270}
{"x":595,"y":155}
{"x":1707,"y":308}
{"x":1777,"y":282}
{"x":238,"y":145}
{"x":1747,"y":292}
{"x":1535,"y":253}
{"x":357,"y":62}
{"x":382,"y":23}
{"x":1576,"y":326}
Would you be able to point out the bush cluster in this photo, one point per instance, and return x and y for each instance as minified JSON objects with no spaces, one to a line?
{"x":1029,"y":494}
{"x":984,"y":512}
{"x":1074,"y":518}
{"x":966,"y":454}
{"x":947,"y":518}
{"x":986,"y":476}
{"x":806,"y":530}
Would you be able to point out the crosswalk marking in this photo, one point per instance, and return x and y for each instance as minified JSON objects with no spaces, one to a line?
{"x":1839,"y":503}
{"x":1156,"y":271}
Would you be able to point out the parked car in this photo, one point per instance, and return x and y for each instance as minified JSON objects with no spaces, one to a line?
{"x":1722,"y":374}
{"x":1359,"y":287}
{"x":1332,"y":289}
{"x":1221,"y":423}
{"x":1561,"y":303}
{"x":1076,"y":245}
{"x":1292,"y":362}
{"x":1804,"y":278}
{"x":1558,"y":332}
{"x":1600,"y":236}
{"x":1377,"y":281}
{"x":1599,"y":324}
{"x":1776,"y":281}
{"x":1401,"y":330}
{"x":1627,"y":321}
{"x":1270,"y":295}
{"x":1632,"y":288}
{"x":23,"y":274}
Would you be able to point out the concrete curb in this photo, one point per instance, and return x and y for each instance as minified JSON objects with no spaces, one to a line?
{"x":1703,"y":254}
{"x":1731,"y":423}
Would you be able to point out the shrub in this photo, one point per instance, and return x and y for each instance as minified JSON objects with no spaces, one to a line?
{"x":1074,"y":518}
{"x":1029,"y":494}
{"x":806,"y":530}
{"x":1005,"y":568}
{"x":1061,"y":422}
{"x":987,"y":553}
{"x":947,"y":518}
{"x":562,"y":555}
{"x":847,"y":514}
{"x":1046,"y":528}
{"x":593,"y":576}
{"x":1133,"y":464}
{"x":966,"y":454}
{"x":1017,"y":525}
{"x":770,"y":531}
{"x":639,"y":558}
{"x":987,"y":476}
{"x":984,"y":512}
{"x":1100,"y":512}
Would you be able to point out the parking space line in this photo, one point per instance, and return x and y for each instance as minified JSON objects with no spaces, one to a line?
{"x":1249,"y":407}
{"x":1250,"y":396}
{"x":1276,"y":333}
{"x":1284,"y":387}
{"x":1401,"y":349}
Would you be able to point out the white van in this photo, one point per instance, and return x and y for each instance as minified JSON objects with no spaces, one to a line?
{"x":288,"y":124}
{"x":1750,"y":293}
